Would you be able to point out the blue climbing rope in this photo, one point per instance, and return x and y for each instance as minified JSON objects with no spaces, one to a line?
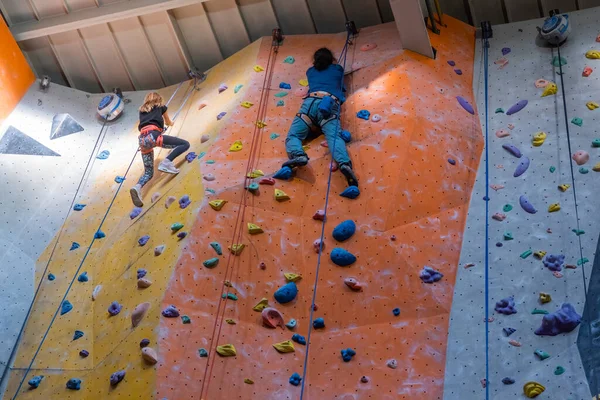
{"x":486,"y":46}
{"x":343,"y":56}
{"x":29,"y":367}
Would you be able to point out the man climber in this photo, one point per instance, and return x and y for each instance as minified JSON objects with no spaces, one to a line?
{"x":321,"y":109}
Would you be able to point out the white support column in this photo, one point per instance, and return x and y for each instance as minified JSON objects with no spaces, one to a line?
{"x":411,"y":26}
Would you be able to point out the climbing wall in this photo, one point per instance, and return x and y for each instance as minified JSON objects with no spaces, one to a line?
{"x":416,"y":167}
{"x":511,"y":271}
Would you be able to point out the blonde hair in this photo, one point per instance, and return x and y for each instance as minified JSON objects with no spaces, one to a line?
{"x":152,"y":100}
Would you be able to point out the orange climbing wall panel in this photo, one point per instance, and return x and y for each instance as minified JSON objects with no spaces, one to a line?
{"x":15,"y":74}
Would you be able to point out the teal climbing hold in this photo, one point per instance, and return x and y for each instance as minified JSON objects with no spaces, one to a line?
{"x":552,"y":169}
{"x":99,"y":234}
{"x":203,"y":353}
{"x":508,"y":236}
{"x":274,"y":136}
{"x":176,"y":226}
{"x":77,"y":335}
{"x":499,"y":111}
{"x":209,"y":190}
{"x":217,"y":248}
{"x":211,"y":262}
{"x":557,"y":62}
{"x":65,"y":307}
{"x":237,"y":88}
{"x":83,"y":277}
{"x":526,"y":254}
{"x":280,"y":103}
{"x":51,"y":277}
{"x":253,"y":188}
{"x":78,"y":206}
{"x":281,"y":94}
{"x":596,"y":143}
{"x":582,"y":261}
{"x":578,"y":232}
{"x":289,"y":60}
{"x":559,"y":370}
{"x":583,"y":170}
{"x":577,"y":121}
{"x":542,"y":355}
{"x":230,"y":296}
{"x":210,"y":161}
{"x":538,"y":311}
{"x":202,"y":154}
{"x":507,"y":208}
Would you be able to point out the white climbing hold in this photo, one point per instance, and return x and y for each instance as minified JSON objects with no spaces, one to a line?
{"x":209,"y":177}
{"x":376,"y":118}
{"x":96,"y":292}
{"x":158,"y":250}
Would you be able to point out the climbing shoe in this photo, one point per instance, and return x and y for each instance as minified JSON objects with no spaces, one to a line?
{"x":167,"y":166}
{"x":349,"y":174}
{"x":300,"y":161}
{"x":136,"y":195}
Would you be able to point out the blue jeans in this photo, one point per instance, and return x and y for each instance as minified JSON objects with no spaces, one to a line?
{"x":330,"y":127}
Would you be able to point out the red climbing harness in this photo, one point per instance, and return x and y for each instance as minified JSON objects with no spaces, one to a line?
{"x":146,"y":139}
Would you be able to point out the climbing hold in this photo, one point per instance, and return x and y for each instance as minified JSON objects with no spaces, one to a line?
{"x":526,"y":254}
{"x":319,"y":215}
{"x":291,"y":277}
{"x":554,"y":262}
{"x":266,"y":181}
{"x":285,"y":173}
{"x":77,"y":335}
{"x":465,"y":104}
{"x":149,"y":355}
{"x":541,"y":83}
{"x":144,"y":343}
{"x":74,"y":246}
{"x":578,"y":232}
{"x":303,"y":82}
{"x":271,"y":317}
{"x":246,"y":104}
{"x":262,"y":266}
{"x":248,"y":381}
{"x":78,"y":207}
{"x":592,"y":105}
{"x":545,"y":298}
{"x":257,"y":173}
{"x":135,"y":212}
{"x":181,"y":235}
{"x":186,"y":320}
{"x":522,"y":167}
{"x":211,"y":262}
{"x":577,"y":121}
{"x":119,"y":179}
{"x":505,"y":50}
{"x":364,"y":379}
{"x":376,"y":118}
{"x":506,"y":306}
{"x":170,"y":312}
{"x":344,"y":230}
{"x":103,"y":155}
{"x":341,"y":257}
{"x":184,"y":201}
{"x":542,"y":355}
{"x":563,"y":320}
{"x":552,"y":169}
{"x":539,"y":138}
{"x":229,"y":321}
{"x":499,"y":111}
{"x":295,"y":379}
{"x":143,"y":240}
{"x":451,"y":63}
{"x":217,"y":204}
{"x":347,"y":354}
{"x":221,"y":115}
{"x":222,"y":87}
{"x":260,"y":124}
{"x":583,"y":170}
{"x":430,"y":275}
{"x":96,"y":292}
{"x":258,"y":68}
{"x":593,"y":54}
{"x":253,"y":188}
{"x":559,"y":370}
{"x":280,"y":195}
{"x":202,"y":352}
{"x":499,"y":217}
{"x":237,"y":248}
{"x":236,"y":146}
{"x":65,"y":307}
{"x":587,"y":71}
{"x":396,"y":311}
{"x":191,"y":156}
{"x":353,"y":284}
{"x":538,"y":311}
{"x":289,"y":60}
{"x":526,"y":205}
{"x":554,"y":207}
{"x":292,"y":324}
{"x":550,"y":90}
{"x":363,"y":114}
{"x":509,"y":331}
{"x":281,"y":94}
{"x":564,"y":187}
{"x":508,"y":381}
{"x":158,"y":250}
{"x":539,"y":254}
{"x":226,"y":350}
{"x":237,"y":88}
{"x":138,"y":313}
{"x":557,"y":62}
{"x":507,"y":208}
{"x":285,"y":347}
{"x":114,"y":308}
{"x":581,"y":157}
{"x":457,"y":71}
{"x":346,"y":136}
{"x":319,"y":323}
{"x":117,"y":377}
{"x":203,"y":139}
{"x":35,"y":381}
{"x":514,"y":343}
{"x":261,"y":305}
{"x":83,"y":277}
{"x":596,"y":167}
{"x":351,"y":192}
{"x":286,"y":293}
{"x":141,"y":273}
{"x":74,"y":384}
{"x":393,"y":364}
{"x":517,"y":107}
{"x":99,"y":234}
{"x":284,"y":85}
{"x":502,"y":133}
{"x":176,"y":226}
{"x":254,"y":229}
{"x":508,"y":236}
{"x":512,"y":150}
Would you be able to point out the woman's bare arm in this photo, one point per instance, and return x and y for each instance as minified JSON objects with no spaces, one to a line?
{"x":167,"y":119}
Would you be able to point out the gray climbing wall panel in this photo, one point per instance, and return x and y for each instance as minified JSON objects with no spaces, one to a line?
{"x":509,"y":274}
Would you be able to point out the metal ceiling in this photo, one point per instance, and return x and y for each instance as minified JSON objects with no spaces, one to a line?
{"x":152,"y":50}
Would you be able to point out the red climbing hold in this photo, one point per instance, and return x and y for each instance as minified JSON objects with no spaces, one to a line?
{"x":262,"y":266}
{"x":368,"y":46}
{"x":319,"y":215}
{"x":353,"y":284}
{"x":267,"y":181}
{"x":317,"y":245}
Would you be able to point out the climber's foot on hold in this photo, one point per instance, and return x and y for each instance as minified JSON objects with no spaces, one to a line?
{"x":349,"y":174}
{"x":136,"y":195}
{"x":299,"y":161}
{"x":167,"y":166}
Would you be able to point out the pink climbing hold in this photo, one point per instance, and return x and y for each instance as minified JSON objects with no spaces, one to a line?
{"x":155,"y":197}
{"x":502,"y":133}
{"x":333,"y":166}
{"x":501,"y":62}
{"x":324,"y":143}
{"x":587,"y":71}
{"x":497,"y":187}
{"x":319,"y":215}
{"x":541,"y":83}
{"x":353,"y":284}
{"x":272,"y":318}
{"x":581,"y":157}
{"x":317,"y":245}
{"x":222,"y":87}
{"x":301,"y":91}
{"x":169,"y":201}
{"x":201,"y":106}
{"x":368,"y":46}
{"x":499,"y":217}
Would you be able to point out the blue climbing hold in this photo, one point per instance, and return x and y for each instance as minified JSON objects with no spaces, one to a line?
{"x":342,"y":257}
{"x":286,"y":293}
{"x":280,"y":103}
{"x":344,"y":231}
{"x":351,"y":192}
{"x":274,"y":136}
{"x":141,"y":272}
{"x":363,"y":114}
{"x":74,"y":246}
{"x":83,"y":277}
{"x":202,"y":352}
{"x":78,"y":207}
{"x":319,"y":323}
{"x":135,"y":212}
{"x":99,"y":234}
{"x":295,"y":379}
{"x":299,"y":338}
{"x":346,"y":136}
{"x":284,"y":85}
{"x":74,"y":384}
{"x":191,"y":156}
{"x":119,"y":179}
{"x":284,"y":173}
{"x":143,"y":240}
{"x":452,"y":161}
{"x":292,"y":324}
{"x":217,"y":248}
{"x":51,"y":277}
{"x":35,"y":381}
{"x":396,"y":311}
{"x":347,"y":354}
{"x":65,"y":307}
{"x":103,"y":155}
{"x":77,"y":335}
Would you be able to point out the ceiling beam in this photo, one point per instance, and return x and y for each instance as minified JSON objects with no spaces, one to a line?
{"x":180,"y":39}
{"x":94,"y":16}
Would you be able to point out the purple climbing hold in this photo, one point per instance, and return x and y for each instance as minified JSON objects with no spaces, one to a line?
{"x":522,"y":167}
{"x":184,"y":201}
{"x":517,"y":107}
{"x":222,"y":87}
{"x":452,"y":161}
{"x":499,"y":244}
{"x":191,"y":156}
{"x":221,"y":115}
{"x":144,"y":343}
{"x":430,"y":275}
{"x":526,"y":205}
{"x":508,"y":381}
{"x":114,"y":308}
{"x":143,"y":240}
{"x":451,"y":63}
{"x":506,"y":306}
{"x":170,"y":312}
{"x":116,"y":378}
{"x":512,"y":150}
{"x":84,"y":353}
{"x":181,"y":235}
{"x":554,"y":262}
{"x":458,"y":71}
{"x":563,"y":320}
{"x":505,"y":50}
{"x":135,"y":212}
{"x":465,"y":104}
{"x":284,"y":173}
{"x":141,"y":273}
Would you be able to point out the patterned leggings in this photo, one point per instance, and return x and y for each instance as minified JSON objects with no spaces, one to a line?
{"x":178,"y":145}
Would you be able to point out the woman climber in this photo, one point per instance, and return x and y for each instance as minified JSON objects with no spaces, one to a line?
{"x":320,"y":109}
{"x":153,"y":119}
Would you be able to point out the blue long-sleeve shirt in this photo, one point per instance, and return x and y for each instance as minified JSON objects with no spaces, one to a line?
{"x":329,"y":80}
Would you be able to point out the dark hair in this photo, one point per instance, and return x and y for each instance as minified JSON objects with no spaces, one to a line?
{"x":323,"y":58}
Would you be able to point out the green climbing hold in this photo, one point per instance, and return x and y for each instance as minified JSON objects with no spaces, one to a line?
{"x":596,"y":143}
{"x":237,"y":88}
{"x":289,"y":60}
{"x":578,"y":232}
{"x":559,"y":370}
{"x":538,"y":311}
{"x":557,"y":62}
{"x":552,"y":169}
{"x":577,"y":121}
{"x":211,"y":262}
{"x":526,"y":254}
{"x":541,"y":354}
{"x":185,"y":319}
{"x":507,"y":208}
{"x":202,"y":154}
{"x":210,"y":161}
{"x":583,"y":170}
{"x":508,"y":236}
{"x":274,"y":136}
{"x":203,"y":353}
{"x":280,"y":103}
{"x":281,"y":94}
{"x":230,"y":296}
{"x":176,"y":226}
{"x":499,"y":110}
{"x":582,"y":261}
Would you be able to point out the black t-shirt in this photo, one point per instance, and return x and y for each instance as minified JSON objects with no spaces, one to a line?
{"x":154,"y":117}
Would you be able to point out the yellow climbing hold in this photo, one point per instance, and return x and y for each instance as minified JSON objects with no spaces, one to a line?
{"x":217,"y":204}
{"x":306,"y":147}
{"x":280,"y":195}
{"x":236,"y":249}
{"x":261,"y":305}
{"x":247,"y":104}
{"x":249,"y":381}
{"x":550,"y":90}
{"x":254,"y":229}
{"x":258,"y":68}
{"x":554,"y":207}
{"x":260,"y":124}
{"x":303,"y":82}
{"x":539,"y":138}
{"x":545,"y":298}
{"x":596,"y":167}
{"x":255,"y":174}
{"x":291,"y":277}
{"x":226,"y":350}
{"x":592,"y":105}
{"x":564,"y":187}
{"x":285,"y":347}
{"x":236,"y":146}
{"x":593,"y":54}
{"x":227,"y":283}
{"x":230,"y":321}
{"x":533,"y":389}
{"x":539,"y":254}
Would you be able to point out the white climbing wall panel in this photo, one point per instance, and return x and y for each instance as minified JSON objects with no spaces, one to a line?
{"x":509,"y":274}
